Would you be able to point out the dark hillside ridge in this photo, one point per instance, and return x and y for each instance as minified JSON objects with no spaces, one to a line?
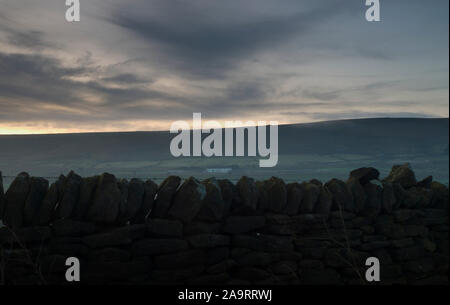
{"x":318,"y":150}
{"x":383,"y":135}
{"x":217,"y":232}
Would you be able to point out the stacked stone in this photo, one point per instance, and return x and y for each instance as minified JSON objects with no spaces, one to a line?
{"x":217,"y":232}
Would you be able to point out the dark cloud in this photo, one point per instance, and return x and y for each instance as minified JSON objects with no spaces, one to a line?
{"x":165,"y":59}
{"x":324,"y":116}
{"x":29,"y":40}
{"x":196,"y":44}
{"x":40,"y":79}
{"x":126,"y":78}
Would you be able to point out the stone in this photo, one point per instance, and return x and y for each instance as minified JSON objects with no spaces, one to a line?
{"x":365,"y":174}
{"x":158,"y":246}
{"x":70,"y":195}
{"x":425,"y":182}
{"x":211,"y":279}
{"x":213,"y":205}
{"x":341,"y":257}
{"x":208,"y":240}
{"x":284,"y":267}
{"x":361,"y":221}
{"x":312,"y":243}
{"x":415,"y":230}
{"x":311,"y":194}
{"x":374,"y":199}
{"x":200,"y":227}
{"x":252,"y":274}
{"x":358,"y":193}
{"x":342,"y":215}
{"x":432,"y":212}
{"x":440,"y":220}
{"x":372,"y":238}
{"x":177,"y":275}
{"x":133,"y":231}
{"x":408,"y":254}
{"x":294,"y":198}
{"x":68,"y":227}
{"x":164,"y":228}
{"x":264,"y":243}
{"x":374,"y":245}
{"x":310,"y":219}
{"x":403,"y":215}
{"x":53,"y":263}
{"x":393,"y":231}
{"x":51,"y":199}
{"x":326,"y":276}
{"x":68,"y":249}
{"x":87,"y":190}
{"x":403,"y":175}
{"x":237,"y":251}
{"x":415,"y":197}
{"x":243,"y":224}
{"x":316,"y":182}
{"x":229,"y":194}
{"x":276,"y":189}
{"x":420,"y":266}
{"x":25,"y":235}
{"x":278,"y":219}
{"x":188,"y":200}
{"x":263,"y":196}
{"x":15,"y":198}
{"x":389,"y":201}
{"x":101,"y":272}
{"x":36,"y":194}
{"x":150,"y":190}
{"x":109,"y":239}
{"x":164,"y":196}
{"x":136,"y":191}
{"x":105,"y":206}
{"x":324,"y":202}
{"x":109,"y":255}
{"x":122,"y":184}
{"x":2,"y":196}
{"x":383,"y":255}
{"x":440,"y":197}
{"x":342,"y":197}
{"x":254,"y":259}
{"x":391,"y":271}
{"x":311,"y":264}
{"x":222,"y":266}
{"x":180,"y":259}
{"x":427,"y":244}
{"x":216,"y":255}
{"x":248,"y":194}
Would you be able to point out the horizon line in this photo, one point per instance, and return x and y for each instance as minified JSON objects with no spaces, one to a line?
{"x":167,"y":130}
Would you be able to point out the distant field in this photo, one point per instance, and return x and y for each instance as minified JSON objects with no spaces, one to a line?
{"x":321,"y":150}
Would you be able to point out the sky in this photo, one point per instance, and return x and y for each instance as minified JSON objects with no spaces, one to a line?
{"x":140,"y":65}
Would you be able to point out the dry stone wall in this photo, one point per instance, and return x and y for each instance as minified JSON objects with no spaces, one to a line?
{"x":217,"y":232}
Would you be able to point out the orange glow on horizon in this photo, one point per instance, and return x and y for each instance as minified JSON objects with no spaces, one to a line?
{"x":33,"y":128}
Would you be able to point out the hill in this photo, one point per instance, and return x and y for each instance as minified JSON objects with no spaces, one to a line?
{"x":324,"y":150}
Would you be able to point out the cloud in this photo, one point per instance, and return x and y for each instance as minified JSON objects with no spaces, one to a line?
{"x":40,"y":80}
{"x":323,"y":116}
{"x":197,"y":43}
{"x":126,"y":78}
{"x":30,"y":40}
{"x":161,"y":60}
